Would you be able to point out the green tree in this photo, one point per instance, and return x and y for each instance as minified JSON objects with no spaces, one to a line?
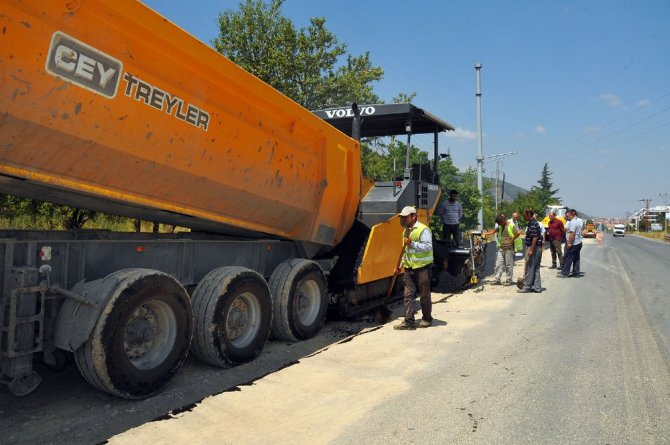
{"x":255,"y":38}
{"x":530,"y":200}
{"x":468,"y":195}
{"x":470,"y":198}
{"x":450,"y":176}
{"x":12,"y":210}
{"x":379,"y":159}
{"x":77,"y":218}
{"x":303,"y":64}
{"x":380,"y":154}
{"x":543,"y":191}
{"x":33,"y":214}
{"x":404,"y":98}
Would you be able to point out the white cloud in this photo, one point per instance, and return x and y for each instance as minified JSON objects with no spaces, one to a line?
{"x":644,"y":103}
{"x":590,"y":129}
{"x":611,"y":99}
{"x":540,"y":129}
{"x":462,"y":134}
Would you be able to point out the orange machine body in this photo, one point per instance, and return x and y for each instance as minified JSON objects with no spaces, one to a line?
{"x":107,"y":105}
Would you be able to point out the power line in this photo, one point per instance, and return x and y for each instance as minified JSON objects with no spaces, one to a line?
{"x":562,"y":161}
{"x":618,"y":131}
{"x":562,"y":153}
{"x":612,"y":122}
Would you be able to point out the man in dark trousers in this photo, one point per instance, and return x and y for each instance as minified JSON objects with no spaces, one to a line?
{"x":573,"y":246}
{"x":417,"y":260}
{"x":451,"y":213}
{"x":533,"y":240}
{"x":505,"y":239}
{"x":555,"y":235}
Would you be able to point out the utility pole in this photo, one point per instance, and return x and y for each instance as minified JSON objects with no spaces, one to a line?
{"x":480,"y":156}
{"x":497,"y":158}
{"x":498,"y":162}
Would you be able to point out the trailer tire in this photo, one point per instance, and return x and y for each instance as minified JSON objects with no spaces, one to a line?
{"x":233,"y":312}
{"x":142,"y":337}
{"x":300,"y":299}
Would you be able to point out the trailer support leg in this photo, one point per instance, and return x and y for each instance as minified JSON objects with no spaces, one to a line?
{"x":21,"y":330}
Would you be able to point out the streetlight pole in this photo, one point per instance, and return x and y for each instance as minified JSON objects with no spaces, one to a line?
{"x":480,"y":156}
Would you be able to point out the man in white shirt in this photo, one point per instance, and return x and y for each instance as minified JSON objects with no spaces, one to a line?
{"x":573,"y":245}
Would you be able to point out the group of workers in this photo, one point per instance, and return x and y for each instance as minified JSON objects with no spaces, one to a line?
{"x":417,"y":258}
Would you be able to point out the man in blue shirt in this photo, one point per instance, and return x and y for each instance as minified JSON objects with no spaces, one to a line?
{"x":452,"y":214}
{"x":533,"y":241}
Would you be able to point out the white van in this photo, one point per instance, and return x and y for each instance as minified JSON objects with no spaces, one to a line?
{"x":619,"y":230}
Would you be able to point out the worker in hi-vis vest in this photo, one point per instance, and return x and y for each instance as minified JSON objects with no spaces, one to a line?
{"x":518,"y":243}
{"x":417,"y":260}
{"x":506,"y":242}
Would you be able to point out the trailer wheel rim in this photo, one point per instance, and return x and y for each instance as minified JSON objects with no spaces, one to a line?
{"x":309,"y":302}
{"x":243,"y":320}
{"x":150,"y":334}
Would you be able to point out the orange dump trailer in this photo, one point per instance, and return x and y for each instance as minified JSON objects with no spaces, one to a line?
{"x":105,"y":105}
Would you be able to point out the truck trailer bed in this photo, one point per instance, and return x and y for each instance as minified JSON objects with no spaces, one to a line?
{"x":108,"y":106}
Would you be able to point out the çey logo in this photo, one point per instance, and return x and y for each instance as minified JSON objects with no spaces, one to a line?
{"x":81,"y":64}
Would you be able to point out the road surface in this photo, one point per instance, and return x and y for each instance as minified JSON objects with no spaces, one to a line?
{"x":585,"y":361}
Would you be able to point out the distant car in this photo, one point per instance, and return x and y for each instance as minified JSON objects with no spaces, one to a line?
{"x":619,"y":230}
{"x":656,"y":227}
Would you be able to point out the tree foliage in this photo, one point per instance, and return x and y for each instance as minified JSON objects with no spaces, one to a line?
{"x":451,"y":178}
{"x":468,"y":195}
{"x":544,"y":191}
{"x":305,"y":64}
{"x":537,"y":198}
{"x":385,"y":160}
{"x":31,"y":213}
{"x":310,"y":66}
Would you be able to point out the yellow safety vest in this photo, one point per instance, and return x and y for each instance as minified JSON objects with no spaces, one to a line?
{"x":518,"y":243}
{"x":413,"y":259}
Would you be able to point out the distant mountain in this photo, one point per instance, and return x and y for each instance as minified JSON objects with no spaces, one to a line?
{"x":510,"y":190}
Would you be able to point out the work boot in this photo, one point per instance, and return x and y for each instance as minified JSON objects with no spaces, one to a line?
{"x":553,"y":266}
{"x":405,"y":326}
{"x":425,"y":323}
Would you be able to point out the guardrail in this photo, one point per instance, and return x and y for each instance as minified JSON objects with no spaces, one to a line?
{"x":666,"y":238}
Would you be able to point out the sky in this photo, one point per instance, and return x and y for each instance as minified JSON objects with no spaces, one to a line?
{"x":581,"y":85}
